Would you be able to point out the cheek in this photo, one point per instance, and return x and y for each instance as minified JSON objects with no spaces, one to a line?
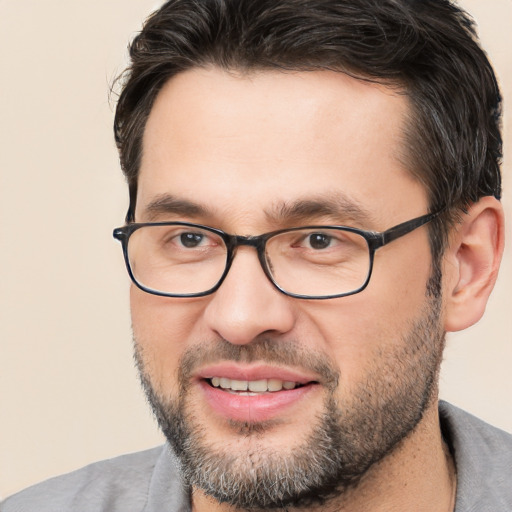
{"x":398,"y":286}
{"x":162,"y":328}
{"x":357,"y":330}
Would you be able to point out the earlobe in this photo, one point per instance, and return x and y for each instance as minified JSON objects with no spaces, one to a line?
{"x":471,"y":263}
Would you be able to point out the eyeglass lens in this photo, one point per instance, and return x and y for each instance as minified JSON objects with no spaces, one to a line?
{"x":183,"y":260}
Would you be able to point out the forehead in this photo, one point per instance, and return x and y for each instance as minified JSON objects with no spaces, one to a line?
{"x":239,"y":143}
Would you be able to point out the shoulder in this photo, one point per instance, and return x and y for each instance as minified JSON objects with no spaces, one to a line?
{"x":118,"y":484}
{"x":483,"y":458}
{"x":470,"y":433}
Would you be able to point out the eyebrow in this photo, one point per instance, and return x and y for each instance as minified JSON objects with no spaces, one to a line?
{"x":167,"y":204}
{"x":339,"y":208}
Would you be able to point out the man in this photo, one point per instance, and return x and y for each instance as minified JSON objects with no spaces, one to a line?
{"x":314,"y":202}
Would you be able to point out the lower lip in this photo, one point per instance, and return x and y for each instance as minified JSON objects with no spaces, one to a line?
{"x":255,"y":408}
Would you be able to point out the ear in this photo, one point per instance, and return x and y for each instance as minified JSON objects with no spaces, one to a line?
{"x":471,"y":262}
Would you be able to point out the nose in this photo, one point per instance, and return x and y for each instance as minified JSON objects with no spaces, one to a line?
{"x":247,"y":305}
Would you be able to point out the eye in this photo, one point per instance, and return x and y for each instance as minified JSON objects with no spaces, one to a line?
{"x":319,"y":240}
{"x":191,"y":240}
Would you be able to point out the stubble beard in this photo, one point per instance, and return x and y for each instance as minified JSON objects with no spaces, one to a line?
{"x":345,"y":440}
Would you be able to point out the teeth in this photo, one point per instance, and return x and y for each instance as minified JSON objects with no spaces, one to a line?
{"x":225,"y":383}
{"x":275,"y":385}
{"x":254,"y":386}
{"x":258,"y":386}
{"x":239,"y":385}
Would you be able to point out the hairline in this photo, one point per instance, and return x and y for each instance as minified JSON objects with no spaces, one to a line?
{"x":403,"y":156}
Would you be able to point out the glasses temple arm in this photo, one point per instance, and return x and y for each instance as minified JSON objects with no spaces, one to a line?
{"x":408,"y":226}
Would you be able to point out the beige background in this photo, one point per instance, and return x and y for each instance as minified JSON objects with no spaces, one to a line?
{"x":68,"y":391}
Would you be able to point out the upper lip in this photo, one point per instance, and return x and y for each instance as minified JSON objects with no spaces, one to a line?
{"x":252,"y":372}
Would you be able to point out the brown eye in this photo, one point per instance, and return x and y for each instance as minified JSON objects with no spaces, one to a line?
{"x":319,"y":240}
{"x":191,"y":240}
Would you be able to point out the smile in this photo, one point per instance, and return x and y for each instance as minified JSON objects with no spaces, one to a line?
{"x":252,"y":387}
{"x":255,"y":393}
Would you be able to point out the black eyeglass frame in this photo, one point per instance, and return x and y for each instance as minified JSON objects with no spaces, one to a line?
{"x":374,"y":239}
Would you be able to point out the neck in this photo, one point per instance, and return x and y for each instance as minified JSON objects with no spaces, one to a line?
{"x":419,"y":475}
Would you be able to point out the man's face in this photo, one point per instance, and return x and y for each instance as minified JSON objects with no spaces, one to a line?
{"x":255,"y":153}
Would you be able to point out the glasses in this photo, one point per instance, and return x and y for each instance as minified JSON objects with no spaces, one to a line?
{"x":181,"y":259}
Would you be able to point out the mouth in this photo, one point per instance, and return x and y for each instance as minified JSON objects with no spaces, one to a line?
{"x":255,"y":394}
{"x":253,"y":387}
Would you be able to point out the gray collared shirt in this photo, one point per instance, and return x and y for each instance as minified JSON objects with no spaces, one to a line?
{"x":149,"y":481}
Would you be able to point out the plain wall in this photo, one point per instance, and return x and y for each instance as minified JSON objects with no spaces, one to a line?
{"x":69,"y":394}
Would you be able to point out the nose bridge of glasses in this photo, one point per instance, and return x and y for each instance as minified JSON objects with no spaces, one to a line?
{"x":256,"y":241}
{"x":253,"y":241}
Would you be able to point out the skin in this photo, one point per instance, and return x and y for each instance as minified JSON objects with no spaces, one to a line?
{"x":241,"y":146}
